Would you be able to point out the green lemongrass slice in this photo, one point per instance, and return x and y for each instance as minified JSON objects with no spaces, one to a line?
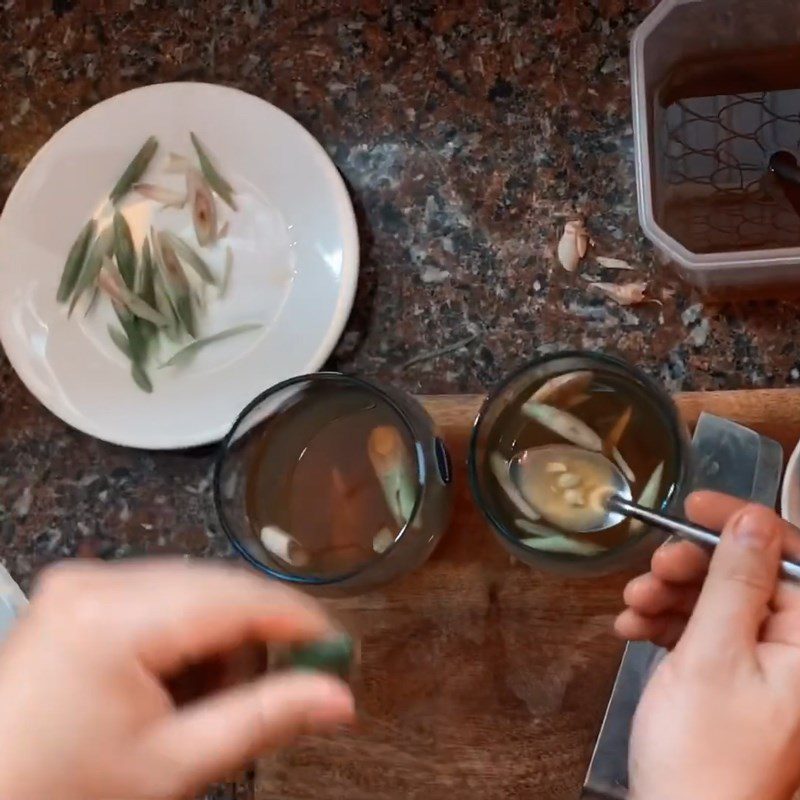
{"x":500,"y":471}
{"x":74,"y":262}
{"x":141,"y":377}
{"x":100,"y":248}
{"x":188,"y":255}
{"x":124,"y":250}
{"x":566,"y":425}
{"x":120,"y":340}
{"x":387,"y":454}
{"x":215,"y":180}
{"x":174,"y":280}
{"x":195,"y":347}
{"x":648,"y":497}
{"x":134,"y":170}
{"x":563,"y":387}
{"x":534,"y":529}
{"x":226,"y":275}
{"x":110,"y":281}
{"x":562,"y":544}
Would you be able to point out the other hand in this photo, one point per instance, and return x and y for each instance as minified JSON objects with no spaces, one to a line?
{"x":85,"y":712}
{"x":720,"y":718}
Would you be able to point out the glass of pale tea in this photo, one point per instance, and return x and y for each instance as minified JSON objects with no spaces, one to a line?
{"x":567,"y":404}
{"x":333,"y":483}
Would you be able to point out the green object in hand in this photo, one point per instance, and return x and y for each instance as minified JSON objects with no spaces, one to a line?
{"x":333,"y":656}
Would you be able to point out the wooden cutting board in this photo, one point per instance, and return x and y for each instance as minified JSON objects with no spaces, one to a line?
{"x":481,"y":678}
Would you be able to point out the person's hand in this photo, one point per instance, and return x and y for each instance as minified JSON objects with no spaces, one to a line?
{"x":84,"y":711}
{"x":720,"y":717}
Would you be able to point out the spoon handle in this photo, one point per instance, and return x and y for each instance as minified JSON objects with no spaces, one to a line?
{"x":686,"y":530}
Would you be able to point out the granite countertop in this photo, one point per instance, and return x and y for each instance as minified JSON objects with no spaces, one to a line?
{"x":468,"y":132}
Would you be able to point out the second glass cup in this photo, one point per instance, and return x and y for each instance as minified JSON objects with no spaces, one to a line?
{"x":560,"y":404}
{"x":333,"y":483}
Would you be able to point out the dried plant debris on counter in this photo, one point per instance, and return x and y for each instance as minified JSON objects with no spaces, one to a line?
{"x":147,"y":285}
{"x":626,"y":294}
{"x":613,"y":417}
{"x":613,"y":263}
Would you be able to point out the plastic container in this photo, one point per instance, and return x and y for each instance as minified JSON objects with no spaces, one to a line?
{"x":716,"y":90}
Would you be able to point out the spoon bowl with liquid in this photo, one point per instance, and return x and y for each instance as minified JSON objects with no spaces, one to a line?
{"x":584,"y":492}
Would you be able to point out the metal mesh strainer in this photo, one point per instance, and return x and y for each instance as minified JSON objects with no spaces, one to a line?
{"x":716,"y":193}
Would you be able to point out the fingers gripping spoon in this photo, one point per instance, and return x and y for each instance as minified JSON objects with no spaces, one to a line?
{"x":612,"y":505}
{"x":727,"y":458}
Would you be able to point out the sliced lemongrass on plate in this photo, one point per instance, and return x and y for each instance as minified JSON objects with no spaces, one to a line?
{"x":195,"y":347}
{"x":135,"y":169}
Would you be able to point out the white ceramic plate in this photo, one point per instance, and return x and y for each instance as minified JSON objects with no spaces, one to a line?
{"x":295,"y":263}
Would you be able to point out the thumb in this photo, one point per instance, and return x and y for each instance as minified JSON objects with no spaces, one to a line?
{"x":217,"y":736}
{"x":740,"y":584}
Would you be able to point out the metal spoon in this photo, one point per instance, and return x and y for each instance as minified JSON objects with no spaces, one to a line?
{"x":531,"y":465}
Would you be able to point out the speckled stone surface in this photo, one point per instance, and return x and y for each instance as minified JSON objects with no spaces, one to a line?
{"x":467,"y":132}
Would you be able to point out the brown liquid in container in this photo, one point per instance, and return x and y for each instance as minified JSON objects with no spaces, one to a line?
{"x":720,"y":121}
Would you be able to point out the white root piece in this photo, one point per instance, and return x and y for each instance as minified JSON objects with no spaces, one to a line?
{"x":382,"y":541}
{"x":563,"y":423}
{"x":629,"y":474}
{"x":554,"y":467}
{"x":161,"y":194}
{"x":279,"y":543}
{"x":626,"y":294}
{"x":573,"y":245}
{"x":534,"y":529}
{"x":500,"y":471}
{"x":649,"y":496}
{"x":613,"y":263}
{"x":562,"y":387}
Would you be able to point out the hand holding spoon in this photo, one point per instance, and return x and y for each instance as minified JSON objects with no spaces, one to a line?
{"x":608,"y":505}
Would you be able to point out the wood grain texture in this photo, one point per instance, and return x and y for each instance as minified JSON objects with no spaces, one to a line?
{"x":481,"y":677}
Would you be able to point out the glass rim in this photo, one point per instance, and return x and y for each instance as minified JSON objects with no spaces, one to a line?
{"x":224,"y":450}
{"x":665,"y":406}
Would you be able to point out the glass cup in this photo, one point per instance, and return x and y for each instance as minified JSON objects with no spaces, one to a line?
{"x":494,"y":430}
{"x":261,"y":476}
